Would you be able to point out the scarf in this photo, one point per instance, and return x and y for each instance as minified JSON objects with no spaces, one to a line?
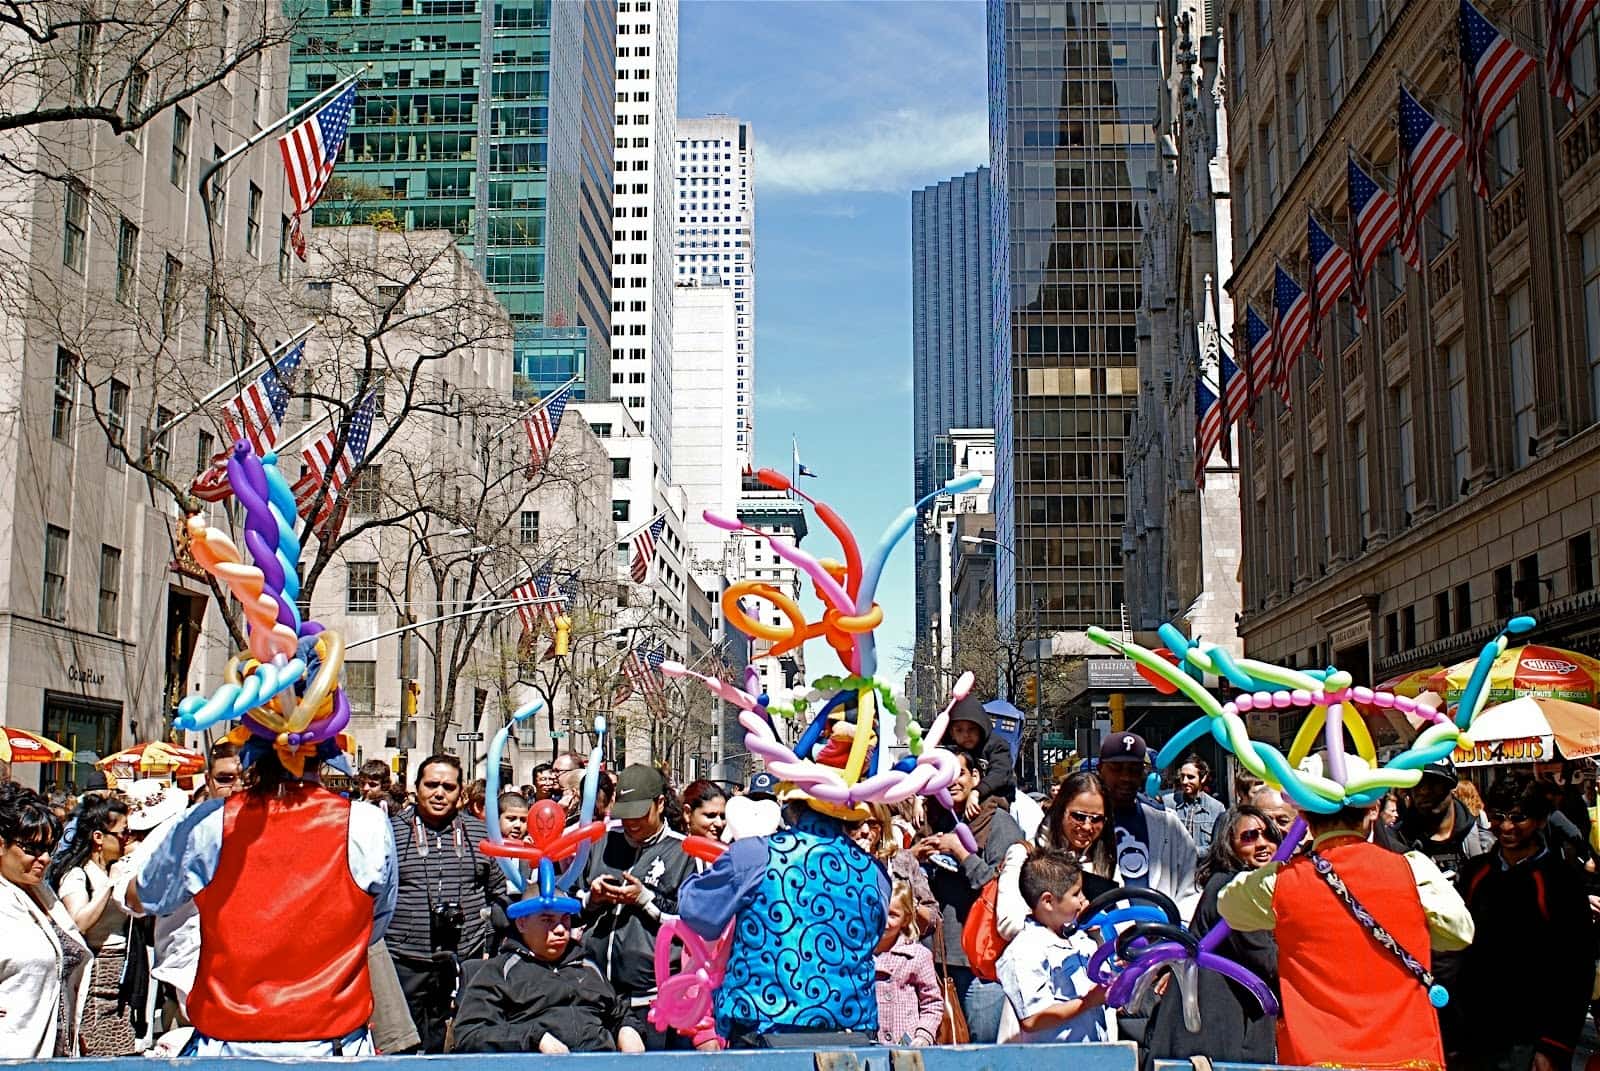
{"x":980,"y":824}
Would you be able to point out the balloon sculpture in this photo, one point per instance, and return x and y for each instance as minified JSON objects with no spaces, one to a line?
{"x":1327,"y":696}
{"x":548,"y":841}
{"x":284,"y":689}
{"x":839,"y":775}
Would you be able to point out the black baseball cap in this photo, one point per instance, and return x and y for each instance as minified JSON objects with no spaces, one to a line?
{"x":1124,"y":747}
{"x":637,"y":788}
{"x":1444,"y":770}
{"x":763,"y":786}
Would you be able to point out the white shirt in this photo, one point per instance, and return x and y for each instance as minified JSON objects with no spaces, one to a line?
{"x":177,"y":944}
{"x":1040,"y":968}
{"x":109,"y":933}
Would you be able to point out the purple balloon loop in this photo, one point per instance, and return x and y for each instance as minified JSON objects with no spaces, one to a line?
{"x":1152,"y":957}
{"x":1291,"y":840}
{"x":1228,"y":968}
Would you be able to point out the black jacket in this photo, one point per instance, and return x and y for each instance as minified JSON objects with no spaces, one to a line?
{"x":621,"y":938}
{"x":515,"y":999}
{"x":992,"y":756}
{"x":1528,"y":973}
{"x":958,"y":890}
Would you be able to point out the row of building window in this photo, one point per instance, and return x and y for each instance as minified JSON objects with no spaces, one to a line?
{"x":53,"y":601}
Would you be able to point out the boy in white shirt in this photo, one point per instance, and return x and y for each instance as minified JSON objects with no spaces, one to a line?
{"x":1045,"y":975}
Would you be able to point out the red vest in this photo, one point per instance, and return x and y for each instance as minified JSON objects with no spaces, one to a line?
{"x":1347,"y":1001}
{"x":283,"y":927}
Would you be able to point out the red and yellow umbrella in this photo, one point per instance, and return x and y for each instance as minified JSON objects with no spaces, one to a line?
{"x":1532,"y":669}
{"x":156,"y":757}
{"x":19,"y":745}
{"x":1410,"y":684}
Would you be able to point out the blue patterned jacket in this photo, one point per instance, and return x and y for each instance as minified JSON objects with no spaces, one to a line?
{"x":809,"y":907}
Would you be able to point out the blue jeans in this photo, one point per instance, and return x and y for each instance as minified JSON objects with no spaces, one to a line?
{"x":982,"y":1003}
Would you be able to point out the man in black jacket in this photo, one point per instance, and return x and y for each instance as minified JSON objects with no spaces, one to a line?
{"x":1525,"y":981}
{"x":631,"y":882}
{"x":543,"y":994}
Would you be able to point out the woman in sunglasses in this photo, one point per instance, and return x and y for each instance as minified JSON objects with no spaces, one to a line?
{"x":1076,"y":823}
{"x":82,"y":876}
{"x":1232,"y":1026}
{"x":43,"y":980}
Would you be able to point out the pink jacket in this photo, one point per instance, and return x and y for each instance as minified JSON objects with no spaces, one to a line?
{"x":910,"y":1003}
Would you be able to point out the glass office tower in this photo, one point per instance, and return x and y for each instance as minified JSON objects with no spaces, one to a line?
{"x":491,"y":120}
{"x":1073,"y":90}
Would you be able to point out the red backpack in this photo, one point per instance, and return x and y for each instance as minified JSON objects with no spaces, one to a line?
{"x":980,"y":934}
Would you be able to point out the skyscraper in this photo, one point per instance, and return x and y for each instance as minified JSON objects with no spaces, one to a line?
{"x":952,"y":355}
{"x":1073,"y":90}
{"x":716,"y":240}
{"x":642,"y":270}
{"x":527,"y":188}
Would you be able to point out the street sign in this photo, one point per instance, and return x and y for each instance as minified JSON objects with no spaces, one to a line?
{"x":1057,"y":740}
{"x":464,"y":737}
{"x":558,"y":736}
{"x":1115,"y":674}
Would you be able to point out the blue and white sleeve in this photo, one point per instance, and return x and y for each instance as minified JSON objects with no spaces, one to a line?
{"x":709,"y":900}
{"x":184,"y":863}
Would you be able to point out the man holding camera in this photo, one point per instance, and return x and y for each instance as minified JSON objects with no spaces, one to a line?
{"x":446,"y":888}
{"x":630,"y":882}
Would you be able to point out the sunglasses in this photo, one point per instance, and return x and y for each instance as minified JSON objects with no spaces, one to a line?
{"x":1514,"y":817}
{"x":1252,"y":836}
{"x":225,"y":778}
{"x":1087,"y":819}
{"x":34,"y":849}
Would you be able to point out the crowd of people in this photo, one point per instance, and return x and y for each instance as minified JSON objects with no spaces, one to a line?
{"x":850,"y":925}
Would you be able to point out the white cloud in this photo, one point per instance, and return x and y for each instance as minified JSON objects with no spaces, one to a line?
{"x":893,"y":153}
{"x":779,"y":399}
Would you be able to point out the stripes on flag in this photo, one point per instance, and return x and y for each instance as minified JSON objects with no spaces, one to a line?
{"x":541,"y":427}
{"x":1291,"y":328}
{"x":212,"y":484}
{"x":1258,"y":355}
{"x":321,"y":463}
{"x":527,"y":612}
{"x":1235,"y":394}
{"x":644,"y":548}
{"x":1374,"y":223}
{"x":1208,"y":426}
{"x":256,"y":412}
{"x":1492,"y":71}
{"x":1429,"y":152}
{"x":310,"y":149}
{"x":1566,"y":24}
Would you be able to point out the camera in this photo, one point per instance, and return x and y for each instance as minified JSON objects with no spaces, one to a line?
{"x":446,"y":920}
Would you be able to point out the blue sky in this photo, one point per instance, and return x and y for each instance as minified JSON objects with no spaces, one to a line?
{"x":854,"y":105}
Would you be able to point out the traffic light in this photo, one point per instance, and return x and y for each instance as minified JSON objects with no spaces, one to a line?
{"x":408,"y":697}
{"x":563,"y":634}
{"x":1030,"y":690}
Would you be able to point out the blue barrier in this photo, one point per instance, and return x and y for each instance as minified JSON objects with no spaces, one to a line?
{"x":1119,"y":1056}
{"x":1185,"y":1065}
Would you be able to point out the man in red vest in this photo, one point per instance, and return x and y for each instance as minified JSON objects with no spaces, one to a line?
{"x":292,"y":882}
{"x":1356,"y":925}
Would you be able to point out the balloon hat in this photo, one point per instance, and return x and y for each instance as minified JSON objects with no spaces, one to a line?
{"x":859,"y":704}
{"x":1341,"y":780}
{"x":284,"y":689}
{"x":548,"y":841}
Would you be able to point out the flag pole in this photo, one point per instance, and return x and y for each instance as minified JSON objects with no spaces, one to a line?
{"x":209,"y":172}
{"x":534,"y":408}
{"x":232,"y":381}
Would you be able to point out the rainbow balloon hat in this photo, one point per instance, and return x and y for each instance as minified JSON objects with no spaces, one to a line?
{"x":284,"y":689}
{"x":863,"y":771}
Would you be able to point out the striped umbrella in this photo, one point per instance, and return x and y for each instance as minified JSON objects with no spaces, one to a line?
{"x":158,"y":756}
{"x":19,"y":745}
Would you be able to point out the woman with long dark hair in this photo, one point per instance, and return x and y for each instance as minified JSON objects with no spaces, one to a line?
{"x":1232,"y":1026}
{"x":43,"y":960}
{"x":703,"y":803}
{"x":1079,"y":824}
{"x":82,"y":875}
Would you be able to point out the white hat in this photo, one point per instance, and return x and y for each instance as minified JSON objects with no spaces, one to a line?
{"x":1317,"y":765}
{"x":151,"y":802}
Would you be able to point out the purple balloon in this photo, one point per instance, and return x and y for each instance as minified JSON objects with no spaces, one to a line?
{"x":1291,"y":840}
{"x":1122,"y":989}
{"x":249,"y":481}
{"x":1258,"y":989}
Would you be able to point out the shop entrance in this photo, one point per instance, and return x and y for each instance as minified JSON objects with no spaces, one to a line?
{"x":87,"y":726}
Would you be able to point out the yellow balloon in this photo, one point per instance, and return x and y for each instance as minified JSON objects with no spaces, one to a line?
{"x":858,"y":747}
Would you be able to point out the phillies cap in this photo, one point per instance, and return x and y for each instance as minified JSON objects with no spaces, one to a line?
{"x":637,"y":788}
{"x":763,"y":786}
{"x":1124,"y":747}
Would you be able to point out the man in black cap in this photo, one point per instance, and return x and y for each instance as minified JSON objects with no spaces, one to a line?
{"x":763,"y":786}
{"x":631,"y":882}
{"x":1437,"y":824}
{"x":1154,"y":850}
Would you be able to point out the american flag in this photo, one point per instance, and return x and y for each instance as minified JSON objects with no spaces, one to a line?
{"x":1374,"y":222}
{"x":255,"y":412}
{"x":1291,"y":328}
{"x":1492,"y":70}
{"x":212,"y":484}
{"x":1258,"y":354}
{"x":1235,"y":395}
{"x":1429,"y":152}
{"x":1208,"y":425}
{"x":310,"y":150}
{"x":321,"y":463}
{"x":1567,"y":18}
{"x":641,"y":668}
{"x":542,"y":425}
{"x":644,"y":548}
{"x":528,"y":612}
{"x":1330,"y":276}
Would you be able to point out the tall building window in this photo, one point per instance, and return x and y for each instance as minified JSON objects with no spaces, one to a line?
{"x":1591,"y":313}
{"x":179,"y":172}
{"x":252,"y":221}
{"x":1237,"y":55}
{"x":1331,"y":34}
{"x":54,"y":603}
{"x":284,"y":267}
{"x":1580,"y":563}
{"x":361,"y":588}
{"x":133,"y":101}
{"x":1505,"y":156}
{"x":1268,"y":140}
{"x":1405,"y":452}
{"x":1263,"y":23}
{"x":1455,"y":371}
{"x":1292,"y":527}
{"x":528,"y":527}
{"x":1374,"y":23}
{"x":66,"y":383}
{"x":360,"y":683}
{"x":84,"y":70}
{"x":161,"y":445}
{"x":127,"y":260}
{"x":1244,"y":204}
{"x":1325,"y":514}
{"x":75,"y":226}
{"x":1295,"y":92}
{"x":1519,"y":340}
{"x":619,"y":509}
{"x":171,"y":294}
{"x":110,"y":588}
{"x":116,"y":418}
{"x":1462,"y":600}
{"x":1358,"y":440}
{"x":621,"y":468}
{"x":366,"y":494}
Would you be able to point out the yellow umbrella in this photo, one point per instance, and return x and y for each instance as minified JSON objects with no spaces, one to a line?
{"x":157,"y":757}
{"x":19,"y":745}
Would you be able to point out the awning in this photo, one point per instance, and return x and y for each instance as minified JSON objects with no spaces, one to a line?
{"x":1532,"y":729}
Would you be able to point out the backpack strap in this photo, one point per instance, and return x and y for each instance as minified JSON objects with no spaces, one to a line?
{"x":1438,"y":995}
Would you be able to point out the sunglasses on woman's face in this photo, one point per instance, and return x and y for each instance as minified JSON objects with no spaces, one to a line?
{"x":1252,"y":836}
{"x":1084,"y":818}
